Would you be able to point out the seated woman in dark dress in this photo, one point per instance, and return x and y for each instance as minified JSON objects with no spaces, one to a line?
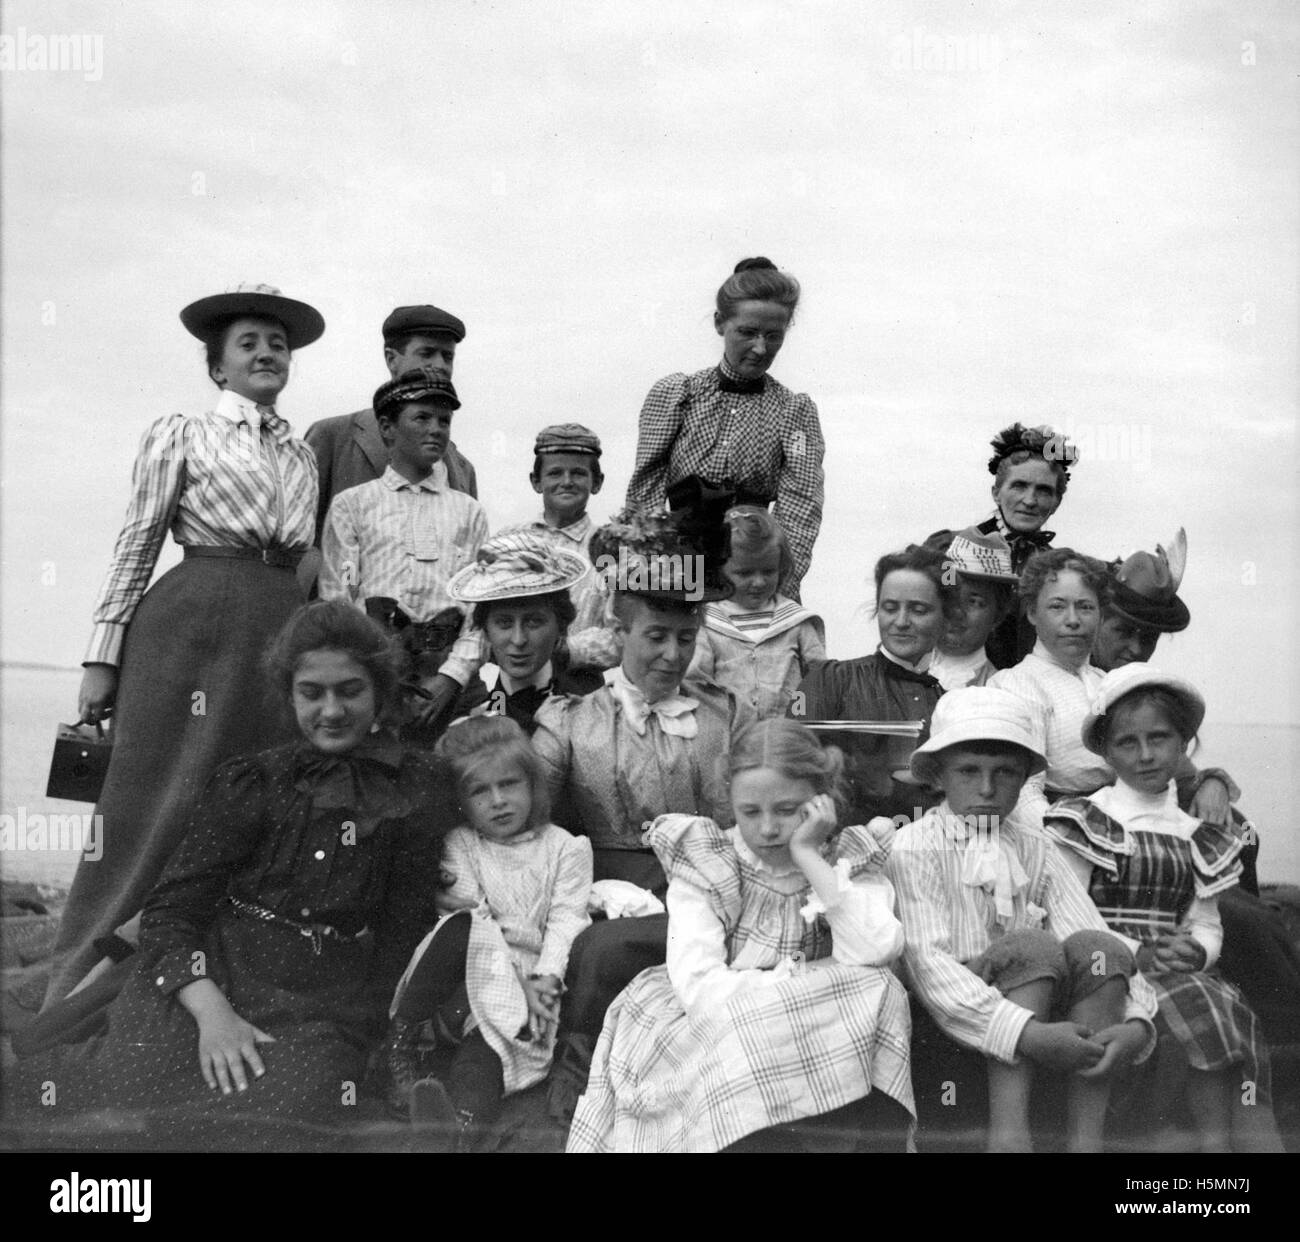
{"x":270,"y":948}
{"x":890,"y":685}
{"x":519,"y":590}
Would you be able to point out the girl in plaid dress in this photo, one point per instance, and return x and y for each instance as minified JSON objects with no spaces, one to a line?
{"x":776,"y":1004}
{"x":489,"y":974}
{"x":1155,"y":874}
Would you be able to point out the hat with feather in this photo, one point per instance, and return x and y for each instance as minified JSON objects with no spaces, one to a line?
{"x":1144,"y":587}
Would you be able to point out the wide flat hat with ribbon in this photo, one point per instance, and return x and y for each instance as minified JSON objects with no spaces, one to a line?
{"x":302,"y":323}
{"x":516,"y":566}
{"x":1144,"y":587}
{"x":976,"y":714}
{"x":1124,"y":680}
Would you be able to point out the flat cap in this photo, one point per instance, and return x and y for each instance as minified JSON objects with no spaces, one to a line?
{"x":422,"y":384}
{"x":431,"y":319}
{"x":567,"y":438}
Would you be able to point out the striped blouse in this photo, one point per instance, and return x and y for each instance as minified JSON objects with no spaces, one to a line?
{"x":768,"y":444}
{"x":405,"y":540}
{"x":235,"y":477}
{"x":947,"y":922}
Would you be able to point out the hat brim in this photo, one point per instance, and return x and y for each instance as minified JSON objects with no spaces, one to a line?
{"x":1005,"y":579}
{"x":705,"y":594}
{"x":1185,"y":691}
{"x":925,"y":759}
{"x":1170,"y":618}
{"x":303,"y":324}
{"x":461,"y":587}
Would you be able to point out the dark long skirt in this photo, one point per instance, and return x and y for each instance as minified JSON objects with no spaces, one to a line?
{"x":191,"y":694}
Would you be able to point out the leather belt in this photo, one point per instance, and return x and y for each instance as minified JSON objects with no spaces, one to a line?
{"x":277,"y":558}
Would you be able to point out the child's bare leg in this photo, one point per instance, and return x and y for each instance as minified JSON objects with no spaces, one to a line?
{"x":1208,"y":1098}
{"x":1088,"y":1097}
{"x":1010,"y":1085}
{"x":1253,"y":1127}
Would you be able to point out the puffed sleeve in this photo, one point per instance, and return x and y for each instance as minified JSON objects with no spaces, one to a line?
{"x":800,"y":489}
{"x":157,"y":481}
{"x":812,"y":644}
{"x":553,"y":744}
{"x":864,"y":929}
{"x":567,"y":915}
{"x":659,"y":426}
{"x":224,"y":829}
{"x":340,"y":545}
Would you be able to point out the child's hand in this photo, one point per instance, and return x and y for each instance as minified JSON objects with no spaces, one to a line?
{"x":1060,"y":1045}
{"x":543,"y":997}
{"x":1122,"y":1042}
{"x":816,"y":826}
{"x":226,"y":1042}
{"x":1179,"y":952}
{"x":1212,"y":803}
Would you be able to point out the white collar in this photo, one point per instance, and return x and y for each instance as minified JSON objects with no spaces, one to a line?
{"x":675,"y":712}
{"x":538,"y":681}
{"x":921,"y":666}
{"x":230,"y":405}
{"x":434,"y":481}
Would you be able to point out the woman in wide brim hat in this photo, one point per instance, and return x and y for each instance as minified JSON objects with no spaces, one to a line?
{"x":519,"y":588}
{"x":176,"y":667}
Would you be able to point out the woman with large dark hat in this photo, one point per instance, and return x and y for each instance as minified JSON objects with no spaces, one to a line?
{"x":176,"y":667}
{"x":733,"y":427}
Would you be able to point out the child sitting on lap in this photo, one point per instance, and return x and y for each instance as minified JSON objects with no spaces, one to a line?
{"x":1003,"y":947}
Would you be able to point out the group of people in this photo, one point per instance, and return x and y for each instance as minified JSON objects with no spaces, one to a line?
{"x":589,"y":807}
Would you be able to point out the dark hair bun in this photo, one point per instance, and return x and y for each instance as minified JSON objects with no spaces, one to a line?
{"x":756,"y":264}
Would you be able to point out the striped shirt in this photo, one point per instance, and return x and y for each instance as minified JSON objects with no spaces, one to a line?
{"x":768,"y":444}
{"x":1058,"y":698}
{"x":235,"y":477}
{"x":947,"y":922}
{"x":405,"y":540}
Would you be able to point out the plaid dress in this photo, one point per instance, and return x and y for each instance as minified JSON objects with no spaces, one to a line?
{"x":1143,"y":883}
{"x":821,"y":1036}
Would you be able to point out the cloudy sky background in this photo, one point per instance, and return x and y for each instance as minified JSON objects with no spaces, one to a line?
{"x":1081,"y":214}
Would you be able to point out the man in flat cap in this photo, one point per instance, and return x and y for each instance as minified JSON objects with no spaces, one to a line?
{"x":349,"y":449}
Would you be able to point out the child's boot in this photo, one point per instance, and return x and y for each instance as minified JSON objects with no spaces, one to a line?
{"x":439,"y":1124}
{"x":402,"y":1062}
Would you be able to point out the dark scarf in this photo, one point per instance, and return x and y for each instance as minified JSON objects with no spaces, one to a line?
{"x":364,"y":780}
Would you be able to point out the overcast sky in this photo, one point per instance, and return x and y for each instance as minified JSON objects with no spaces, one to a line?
{"x":1084,"y":214}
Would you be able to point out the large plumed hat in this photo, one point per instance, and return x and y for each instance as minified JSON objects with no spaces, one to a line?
{"x":650,"y":553}
{"x":976,"y":714}
{"x":302,"y":323}
{"x":517,"y":565}
{"x":1144,"y":587}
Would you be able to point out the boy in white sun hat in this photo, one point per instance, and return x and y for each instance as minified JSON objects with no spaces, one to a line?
{"x":1004,"y":949}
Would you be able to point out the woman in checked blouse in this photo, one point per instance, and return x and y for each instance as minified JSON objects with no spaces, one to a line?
{"x":175,"y":666}
{"x":732,"y":426}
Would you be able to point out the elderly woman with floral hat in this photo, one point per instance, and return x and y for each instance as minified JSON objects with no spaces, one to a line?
{"x":177,"y":666}
{"x":518,"y":589}
{"x":1031,"y":469}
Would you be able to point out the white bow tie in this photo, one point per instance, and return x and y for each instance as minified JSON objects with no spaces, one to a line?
{"x":676,"y":713}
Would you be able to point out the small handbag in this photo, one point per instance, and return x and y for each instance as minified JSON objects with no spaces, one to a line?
{"x":81,"y":755}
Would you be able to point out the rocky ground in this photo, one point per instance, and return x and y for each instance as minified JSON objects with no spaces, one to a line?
{"x":29,"y":916}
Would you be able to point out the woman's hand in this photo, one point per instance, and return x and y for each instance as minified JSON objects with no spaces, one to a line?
{"x":1122,"y":1042}
{"x":442,"y":691}
{"x":226,"y":1041}
{"x":815,"y":828}
{"x":1211,"y":802}
{"x":98,"y":692}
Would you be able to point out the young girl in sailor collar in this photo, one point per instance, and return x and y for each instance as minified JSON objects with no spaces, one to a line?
{"x":759,"y":643}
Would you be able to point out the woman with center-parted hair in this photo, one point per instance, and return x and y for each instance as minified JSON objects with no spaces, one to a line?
{"x":176,"y":666}
{"x":733,"y":427}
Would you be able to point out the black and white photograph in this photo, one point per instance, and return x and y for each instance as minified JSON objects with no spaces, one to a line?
{"x":600,"y":577}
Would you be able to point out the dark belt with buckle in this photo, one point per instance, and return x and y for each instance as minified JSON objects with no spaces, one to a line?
{"x":277,"y":558}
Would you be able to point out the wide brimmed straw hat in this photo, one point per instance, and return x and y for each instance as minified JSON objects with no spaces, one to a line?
{"x":516,"y":566}
{"x":302,"y":323}
{"x":1124,"y":680}
{"x":976,"y":714}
